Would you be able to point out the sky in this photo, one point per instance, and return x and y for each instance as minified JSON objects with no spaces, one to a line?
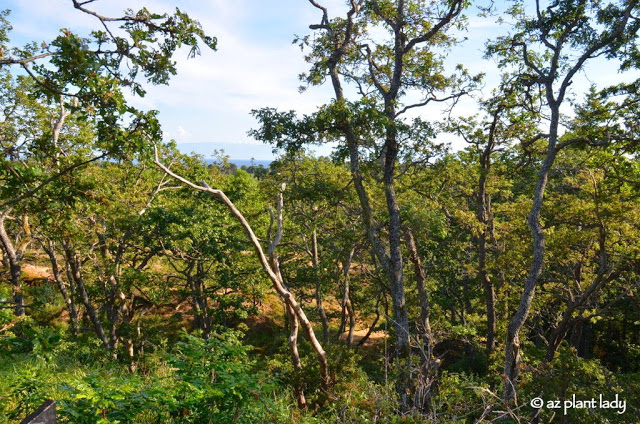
{"x":207,"y":105}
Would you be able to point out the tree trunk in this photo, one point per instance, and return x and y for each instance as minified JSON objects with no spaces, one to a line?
{"x":605,"y":274}
{"x":346,"y":296}
{"x":425,"y":326}
{"x":201,"y":317}
{"x":131,"y":355}
{"x":489,"y":293}
{"x":352,"y":322}
{"x":319,"y":304}
{"x":512,"y":346}
{"x":62,"y":286}
{"x":485,"y":217}
{"x":295,"y":358}
{"x":391,"y":264}
{"x":396,"y":283}
{"x":14,"y":257}
{"x":74,"y":264}
{"x":371,"y":328}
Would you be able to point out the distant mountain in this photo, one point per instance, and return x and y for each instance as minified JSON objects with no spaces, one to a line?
{"x":237,"y":152}
{"x":243,"y":162}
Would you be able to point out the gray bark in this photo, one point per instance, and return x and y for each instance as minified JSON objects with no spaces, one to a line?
{"x":420,"y":277}
{"x":316,"y":266}
{"x":14,"y":257}
{"x":62,"y":287}
{"x":512,"y":349}
{"x":295,"y":357}
{"x":392,"y":263}
{"x":75,"y":272}
{"x":485,"y":217}
{"x":547,"y":77}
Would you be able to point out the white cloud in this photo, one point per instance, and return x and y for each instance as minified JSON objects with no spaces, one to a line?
{"x":182,"y":134}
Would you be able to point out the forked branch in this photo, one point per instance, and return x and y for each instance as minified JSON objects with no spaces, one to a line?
{"x":273,"y":274}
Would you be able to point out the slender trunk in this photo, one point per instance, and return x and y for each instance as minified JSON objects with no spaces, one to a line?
{"x":568,"y":321}
{"x":604,"y":275}
{"x":139,"y":338}
{"x":352,"y":322}
{"x":319,"y":304}
{"x":62,"y":286}
{"x":197,"y":313}
{"x":396,"y":283}
{"x":420,"y":277}
{"x":485,"y":217}
{"x":74,"y":264}
{"x":14,"y":257}
{"x":131,"y":355}
{"x":202,"y":297}
{"x":202,"y":319}
{"x":113,"y":316}
{"x":116,"y":300}
{"x":346,"y":292}
{"x":489,"y":293}
{"x":392,"y":264}
{"x":371,"y":328}
{"x":295,"y":358}
{"x":558,"y":334}
{"x":512,"y":346}
{"x":323,"y":315}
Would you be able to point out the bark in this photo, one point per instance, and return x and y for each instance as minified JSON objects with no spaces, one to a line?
{"x":396,"y":283}
{"x":272,"y":274}
{"x":489,"y":293}
{"x":485,"y":217}
{"x":352,"y":322}
{"x":56,"y":127}
{"x":371,"y":328}
{"x":116,"y":305}
{"x":389,"y":91}
{"x":62,"y":286}
{"x":75,"y":272}
{"x":295,"y":358}
{"x":323,"y":315}
{"x":316,"y":266}
{"x":131,"y":355}
{"x":201,"y":316}
{"x":392,"y":263}
{"x":420,"y":277}
{"x":547,"y":77}
{"x":14,"y":257}
{"x":346,"y":298}
{"x":512,"y":347}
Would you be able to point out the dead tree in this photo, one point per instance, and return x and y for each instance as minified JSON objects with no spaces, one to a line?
{"x":273,"y":273}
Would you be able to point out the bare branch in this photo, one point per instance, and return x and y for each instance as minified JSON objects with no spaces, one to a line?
{"x":455,"y":9}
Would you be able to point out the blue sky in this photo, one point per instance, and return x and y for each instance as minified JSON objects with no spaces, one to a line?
{"x":207,"y":105}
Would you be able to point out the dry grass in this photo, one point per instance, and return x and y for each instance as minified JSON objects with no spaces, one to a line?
{"x":375,"y":337}
{"x":36,"y":274}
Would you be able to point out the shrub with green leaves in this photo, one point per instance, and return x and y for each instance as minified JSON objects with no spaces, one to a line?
{"x":197,"y":381}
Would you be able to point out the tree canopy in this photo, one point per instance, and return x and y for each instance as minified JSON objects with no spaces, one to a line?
{"x":395,"y":280}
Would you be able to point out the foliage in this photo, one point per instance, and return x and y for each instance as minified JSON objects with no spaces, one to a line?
{"x":145,"y":302}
